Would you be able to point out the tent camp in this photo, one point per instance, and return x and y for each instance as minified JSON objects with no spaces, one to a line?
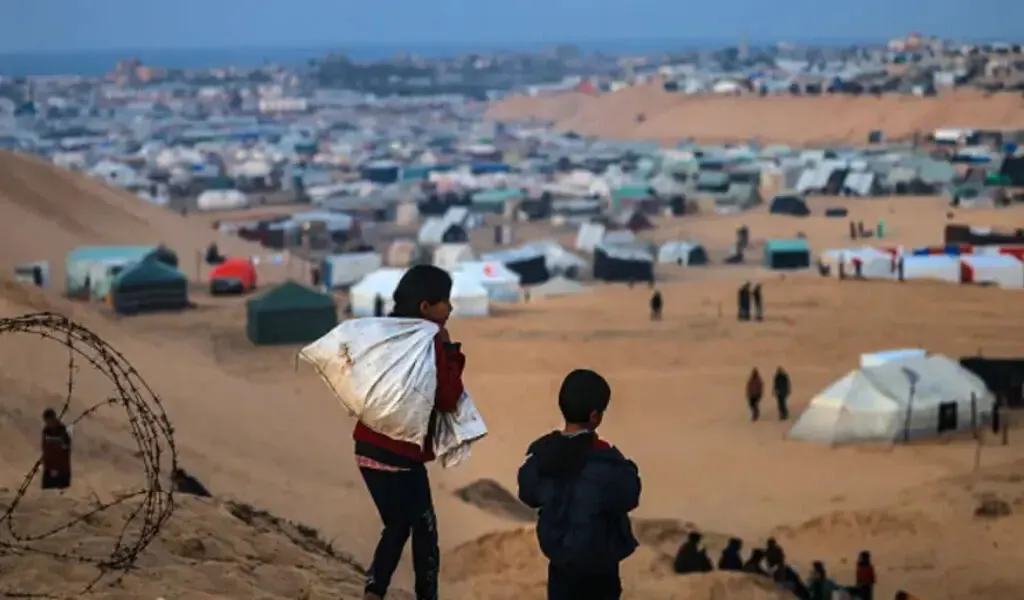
{"x":469,"y":296}
{"x":148,"y":286}
{"x":501,"y":283}
{"x":881,"y":404}
{"x":289,"y":314}
{"x":363,"y":295}
{"x":682,"y":253}
{"x":342,"y":270}
{"x":623,"y":263}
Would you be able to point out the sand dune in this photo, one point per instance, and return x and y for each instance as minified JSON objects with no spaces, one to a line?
{"x":255,"y":430}
{"x":790,"y":120}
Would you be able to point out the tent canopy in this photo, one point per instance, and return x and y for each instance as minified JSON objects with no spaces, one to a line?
{"x":916,"y":397}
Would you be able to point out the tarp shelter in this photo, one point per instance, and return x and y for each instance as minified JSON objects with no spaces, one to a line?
{"x":787,"y":254}
{"x":148,"y":286}
{"x":623,"y":263}
{"x":501,"y":283}
{"x":529,"y":263}
{"x":794,"y":206}
{"x":1004,"y":376}
{"x":880,"y":404}
{"x":363,"y":295}
{"x":343,"y":270}
{"x":233,"y":276}
{"x":290,"y":314}
{"x":938,"y":267}
{"x":469,"y":296}
{"x":683,"y":253}
{"x":992,"y":269}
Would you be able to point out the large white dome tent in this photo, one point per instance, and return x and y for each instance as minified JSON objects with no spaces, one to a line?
{"x":875,"y":404}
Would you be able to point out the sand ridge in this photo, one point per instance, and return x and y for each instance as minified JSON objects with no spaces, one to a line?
{"x":669,"y":117}
{"x":255,"y":429}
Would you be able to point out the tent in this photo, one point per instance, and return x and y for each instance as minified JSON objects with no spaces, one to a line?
{"x":794,"y":206}
{"x":556,"y":286}
{"x":341,"y":270}
{"x":233,"y":276}
{"x":469,"y":296}
{"x":992,"y":269}
{"x":148,"y":286}
{"x":623,"y":263}
{"x":100,"y":264}
{"x":363,"y":295}
{"x":787,"y":254}
{"x":501,"y":283}
{"x":935,"y":267}
{"x":448,"y":256}
{"x":530,"y":263}
{"x":879,"y":404}
{"x":289,"y":314}
{"x":683,"y":253}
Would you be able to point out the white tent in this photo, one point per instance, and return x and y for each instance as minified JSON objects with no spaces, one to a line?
{"x":682,"y":253}
{"x":469,"y":296}
{"x":879,"y":403}
{"x":448,"y":256}
{"x":501,"y":283}
{"x":364,"y":294}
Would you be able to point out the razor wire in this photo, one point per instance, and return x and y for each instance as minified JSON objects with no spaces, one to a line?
{"x":149,"y":507}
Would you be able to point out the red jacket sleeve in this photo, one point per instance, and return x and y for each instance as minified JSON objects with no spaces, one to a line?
{"x":450,"y":362}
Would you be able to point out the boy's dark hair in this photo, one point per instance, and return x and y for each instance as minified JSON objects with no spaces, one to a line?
{"x":421,"y":283}
{"x":583,"y":392}
{"x":49,"y":414}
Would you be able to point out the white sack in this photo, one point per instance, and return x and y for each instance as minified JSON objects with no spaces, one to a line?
{"x":456,"y":431}
{"x":382,"y":371}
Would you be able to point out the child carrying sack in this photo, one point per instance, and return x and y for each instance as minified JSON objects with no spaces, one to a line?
{"x":383,"y":372}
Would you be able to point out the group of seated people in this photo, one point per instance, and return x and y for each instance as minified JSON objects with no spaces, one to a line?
{"x":770,"y":561}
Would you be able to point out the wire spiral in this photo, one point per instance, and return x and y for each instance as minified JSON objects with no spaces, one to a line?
{"x":149,"y":507}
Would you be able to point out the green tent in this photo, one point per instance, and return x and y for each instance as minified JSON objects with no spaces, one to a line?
{"x":147,"y":286}
{"x":290,"y":314}
{"x":787,"y":254}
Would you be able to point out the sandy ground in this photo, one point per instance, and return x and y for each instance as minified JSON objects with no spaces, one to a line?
{"x":256,"y":429}
{"x":669,"y":117}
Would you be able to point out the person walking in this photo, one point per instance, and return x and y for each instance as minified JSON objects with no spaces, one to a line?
{"x":781,"y":389}
{"x":755,"y":389}
{"x":656,"y":305}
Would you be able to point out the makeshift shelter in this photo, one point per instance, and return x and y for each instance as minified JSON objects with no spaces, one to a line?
{"x":469,"y":296}
{"x":1004,"y":376}
{"x":448,"y":256}
{"x":289,"y":314}
{"x":787,"y":254}
{"x":938,"y":267}
{"x":903,"y":399}
{"x":363,"y":295}
{"x":98,"y":265}
{"x":439,"y":230}
{"x":529,"y":263}
{"x":683,"y":253}
{"x":623,"y":263}
{"x":148,"y":286}
{"x":501,"y":283}
{"x":556,"y":286}
{"x":343,"y":270}
{"x":233,"y":276}
{"x":794,"y":206}
{"x":992,"y":269}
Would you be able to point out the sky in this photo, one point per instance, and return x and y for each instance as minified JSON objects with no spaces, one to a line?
{"x":30,"y":26}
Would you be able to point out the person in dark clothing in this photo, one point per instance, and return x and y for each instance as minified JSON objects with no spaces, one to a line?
{"x":213,"y":256}
{"x":395,"y":472}
{"x":853,"y":230}
{"x":864,"y":588}
{"x":56,"y":446}
{"x":584,"y":489}
{"x":755,"y":295}
{"x":656,"y":306}
{"x":692,"y":558}
{"x":743,"y":302}
{"x":186,"y":483}
{"x":774,"y":554}
{"x":819,"y":586}
{"x":314,"y":276}
{"x":731,"y":560}
{"x":755,"y":390}
{"x":787,"y":578}
{"x":378,"y":306}
{"x":781,"y":389}
{"x":755,"y":564}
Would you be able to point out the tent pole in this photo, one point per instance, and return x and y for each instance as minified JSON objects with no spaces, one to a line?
{"x":910,"y":408}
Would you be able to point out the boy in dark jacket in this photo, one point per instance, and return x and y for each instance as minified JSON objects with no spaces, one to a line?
{"x":584,"y":489}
